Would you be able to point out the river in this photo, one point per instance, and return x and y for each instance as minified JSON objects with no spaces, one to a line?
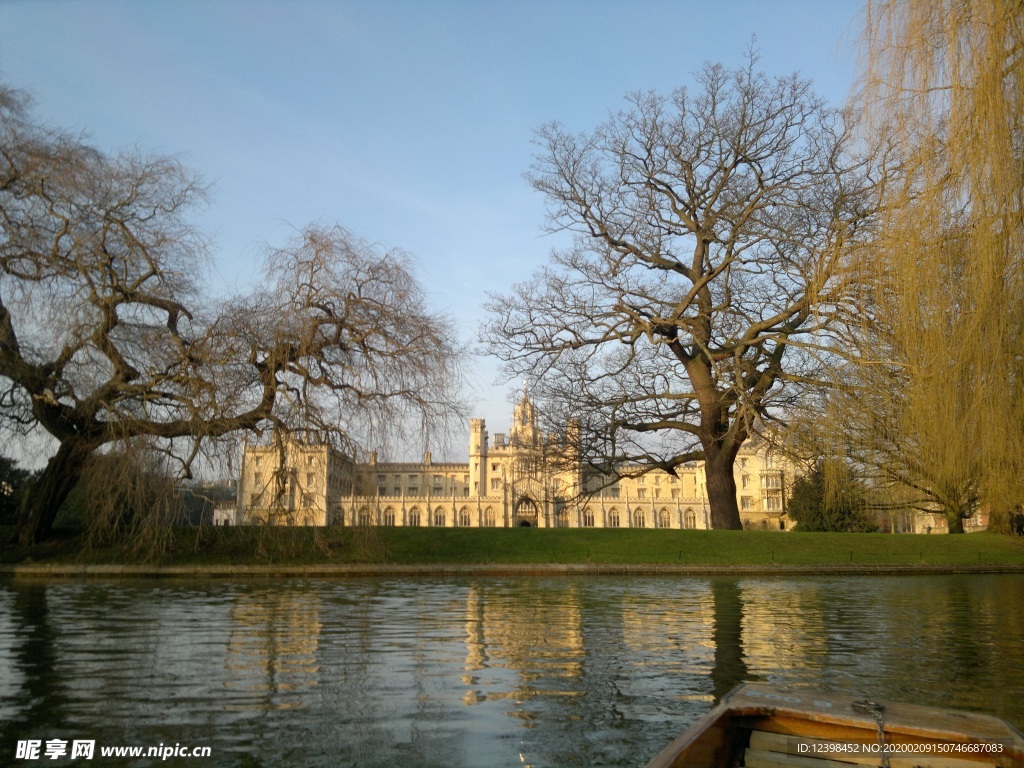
{"x":532,"y":671}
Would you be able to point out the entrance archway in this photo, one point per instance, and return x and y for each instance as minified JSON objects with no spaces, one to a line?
{"x":527,"y":513}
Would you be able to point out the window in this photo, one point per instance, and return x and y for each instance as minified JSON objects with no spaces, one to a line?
{"x":389,"y":516}
{"x":495,"y":484}
{"x":641,"y":480}
{"x":257,"y":478}
{"x":641,"y":493}
{"x":588,"y":518}
{"x":675,"y":493}
{"x":489,"y":517}
{"x":257,"y":460}
{"x":664,"y":519}
{"x":494,"y":467}
{"x":745,"y":502}
{"x":309,"y":478}
{"x":657,"y":479}
{"x":639,"y":519}
{"x":744,"y":480}
{"x":690,"y":519}
{"x":657,"y":493}
{"x":439,"y":517}
{"x":414,"y":516}
{"x":613,"y":519}
{"x":309,"y":461}
{"x":364,"y":517}
{"x":464,"y":517}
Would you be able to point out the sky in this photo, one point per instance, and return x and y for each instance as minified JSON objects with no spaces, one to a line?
{"x":409,"y":122}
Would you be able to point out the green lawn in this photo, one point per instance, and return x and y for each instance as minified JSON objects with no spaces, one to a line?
{"x":433,"y":546}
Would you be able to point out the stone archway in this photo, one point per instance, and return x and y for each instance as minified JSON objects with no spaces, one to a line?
{"x":527,"y":513}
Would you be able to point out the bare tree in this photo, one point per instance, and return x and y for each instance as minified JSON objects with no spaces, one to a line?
{"x":105,"y":334}
{"x":711,"y":234}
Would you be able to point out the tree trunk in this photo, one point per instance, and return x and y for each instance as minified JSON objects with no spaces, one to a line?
{"x":721,"y":486}
{"x":955,"y":521}
{"x":46,"y":495}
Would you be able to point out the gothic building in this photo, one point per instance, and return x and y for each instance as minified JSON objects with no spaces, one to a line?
{"x":524,"y":478}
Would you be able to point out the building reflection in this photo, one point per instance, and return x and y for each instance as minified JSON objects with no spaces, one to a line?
{"x":783,"y":628}
{"x":272,"y":649}
{"x":523,"y":644}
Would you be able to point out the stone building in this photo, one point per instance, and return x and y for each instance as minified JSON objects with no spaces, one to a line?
{"x":523,"y":478}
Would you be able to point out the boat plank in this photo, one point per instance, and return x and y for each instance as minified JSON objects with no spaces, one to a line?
{"x":911,"y":719}
{"x":756,"y":758}
{"x":720,"y":739}
{"x":793,"y":725}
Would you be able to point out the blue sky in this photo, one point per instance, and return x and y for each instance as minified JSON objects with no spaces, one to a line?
{"x":408,"y":122}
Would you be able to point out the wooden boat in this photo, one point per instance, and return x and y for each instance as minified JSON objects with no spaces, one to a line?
{"x":757,"y":726}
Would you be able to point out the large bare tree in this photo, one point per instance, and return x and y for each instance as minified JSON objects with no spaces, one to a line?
{"x":106,"y":334}
{"x":712,"y":231}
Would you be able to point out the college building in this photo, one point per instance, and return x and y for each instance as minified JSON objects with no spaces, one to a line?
{"x":523,"y":478}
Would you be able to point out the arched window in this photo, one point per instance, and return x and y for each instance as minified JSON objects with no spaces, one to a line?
{"x":690,"y":518}
{"x":639,"y":519}
{"x":364,"y":517}
{"x":414,"y":516}
{"x":439,"y":517}
{"x":389,"y":516}
{"x":489,"y":517}
{"x":588,"y":518}
{"x":664,"y":519}
{"x":613,"y":518}
{"x":561,"y":519}
{"x":464,"y":517}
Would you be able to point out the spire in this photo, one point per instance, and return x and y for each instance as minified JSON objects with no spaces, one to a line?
{"x":524,"y":421}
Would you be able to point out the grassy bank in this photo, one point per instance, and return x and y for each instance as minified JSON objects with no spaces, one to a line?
{"x":435,"y":546}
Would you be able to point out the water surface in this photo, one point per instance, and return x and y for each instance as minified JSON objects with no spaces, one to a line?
{"x":595,"y":671}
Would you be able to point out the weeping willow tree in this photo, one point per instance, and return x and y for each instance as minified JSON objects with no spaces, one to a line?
{"x":943,"y":332}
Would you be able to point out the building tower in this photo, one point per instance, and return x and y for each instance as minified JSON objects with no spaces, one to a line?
{"x":478,"y":457}
{"x":524,"y":432}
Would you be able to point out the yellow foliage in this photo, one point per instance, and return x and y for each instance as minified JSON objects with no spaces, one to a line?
{"x":943,"y":94}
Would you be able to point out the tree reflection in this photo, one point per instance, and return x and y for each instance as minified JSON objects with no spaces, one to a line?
{"x":729,"y":668}
{"x":35,"y":657}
